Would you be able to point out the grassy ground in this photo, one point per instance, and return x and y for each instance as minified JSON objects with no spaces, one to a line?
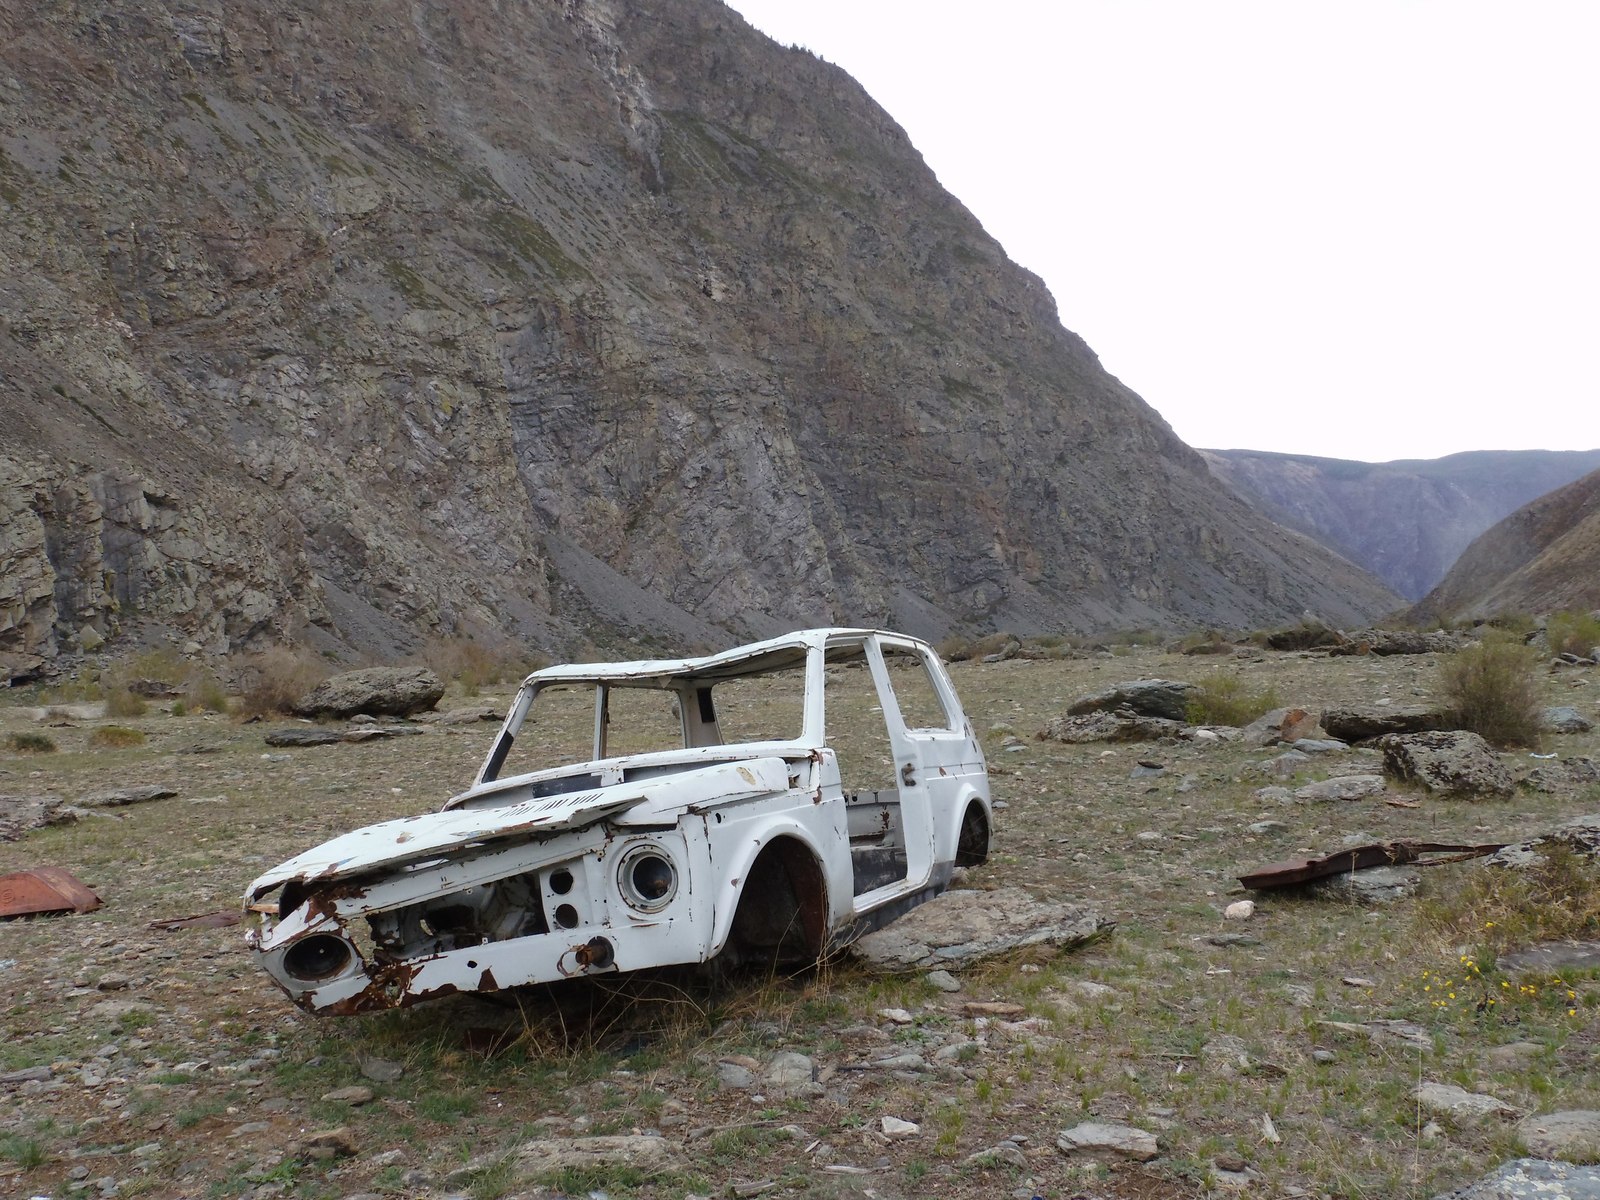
{"x":178,"y":1070}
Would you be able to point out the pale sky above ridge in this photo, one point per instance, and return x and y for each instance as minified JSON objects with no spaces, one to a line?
{"x":1363,"y":230}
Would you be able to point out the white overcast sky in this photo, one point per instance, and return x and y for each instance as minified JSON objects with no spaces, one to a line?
{"x":1358,"y":229}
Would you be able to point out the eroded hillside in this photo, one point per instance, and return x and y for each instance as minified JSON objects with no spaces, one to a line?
{"x":364,"y":322}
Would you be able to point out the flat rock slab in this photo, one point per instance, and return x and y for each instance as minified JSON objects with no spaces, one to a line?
{"x":1569,"y":1136}
{"x":1123,"y":1141}
{"x":1580,"y":835}
{"x":1553,"y":957}
{"x":1123,"y":725}
{"x":1533,"y":1179}
{"x":1342,"y":787}
{"x":1357,"y":724}
{"x":117,"y":797}
{"x":1451,"y":762}
{"x":1563,"y":718}
{"x":1168,"y":698}
{"x":1448,"y":1100}
{"x":965,"y":926}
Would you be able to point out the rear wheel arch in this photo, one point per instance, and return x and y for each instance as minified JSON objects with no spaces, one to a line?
{"x":973,"y":834}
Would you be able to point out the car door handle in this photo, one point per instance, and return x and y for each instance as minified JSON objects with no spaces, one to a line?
{"x":908,"y":775}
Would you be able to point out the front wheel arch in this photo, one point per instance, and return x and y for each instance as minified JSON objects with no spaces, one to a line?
{"x":972,"y":838}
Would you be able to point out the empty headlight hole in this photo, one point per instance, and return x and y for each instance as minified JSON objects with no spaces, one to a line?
{"x":566,"y":916}
{"x":561,"y":881}
{"x":320,"y":956}
{"x":647,"y":879}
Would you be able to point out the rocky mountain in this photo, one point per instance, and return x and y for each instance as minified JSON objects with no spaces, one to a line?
{"x":1405,"y":521}
{"x":357,"y":323}
{"x":1543,"y":558}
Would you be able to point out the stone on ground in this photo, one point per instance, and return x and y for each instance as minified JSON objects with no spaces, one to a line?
{"x":1167,"y":698}
{"x":1532,"y":1179}
{"x":1124,"y":725}
{"x":380,"y":691}
{"x":545,"y":1156}
{"x":1448,"y":1100}
{"x":1341,"y":787}
{"x":1564,"y":719}
{"x":1572,"y":1136}
{"x":1450,"y":762}
{"x":1124,"y":1141}
{"x":964,"y":926}
{"x":1358,"y":723}
{"x":1377,"y":885}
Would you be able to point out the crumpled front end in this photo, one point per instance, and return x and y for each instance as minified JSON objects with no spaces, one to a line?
{"x":522,"y":893}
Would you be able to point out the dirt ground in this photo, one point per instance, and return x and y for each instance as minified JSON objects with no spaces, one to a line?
{"x":144,"y":1062}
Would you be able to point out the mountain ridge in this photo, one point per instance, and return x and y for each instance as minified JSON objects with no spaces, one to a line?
{"x":356,"y":327}
{"x":1406,"y":520}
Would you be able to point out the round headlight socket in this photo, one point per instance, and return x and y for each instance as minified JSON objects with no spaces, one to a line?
{"x":318,"y":957}
{"x":647,"y":878}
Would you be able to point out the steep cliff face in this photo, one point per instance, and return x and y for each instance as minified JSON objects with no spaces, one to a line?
{"x":367,"y":321}
{"x":1543,"y":558}
{"x":1405,"y":521}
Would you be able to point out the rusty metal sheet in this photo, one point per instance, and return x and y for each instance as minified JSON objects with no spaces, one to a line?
{"x":1358,"y":858}
{"x":44,"y":890}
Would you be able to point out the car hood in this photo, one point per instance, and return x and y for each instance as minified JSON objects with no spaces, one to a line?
{"x":431,"y":835}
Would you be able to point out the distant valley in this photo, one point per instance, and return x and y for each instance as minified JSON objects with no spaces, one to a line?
{"x":1405,"y":521}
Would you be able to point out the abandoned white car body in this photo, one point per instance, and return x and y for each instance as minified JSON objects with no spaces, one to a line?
{"x":705,"y":810}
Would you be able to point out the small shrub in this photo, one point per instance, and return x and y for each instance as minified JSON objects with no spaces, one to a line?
{"x":1227,"y":700}
{"x":952,"y":648}
{"x":1554,"y":899}
{"x":32,"y":743}
{"x":120,"y":702}
{"x":1493,"y":690}
{"x":1573,"y":633}
{"x":206,"y":693}
{"x":276,"y":678}
{"x":179,"y":708}
{"x":115,"y":737}
{"x":475,"y":664}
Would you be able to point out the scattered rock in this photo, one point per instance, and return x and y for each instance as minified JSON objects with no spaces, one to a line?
{"x":896,"y":1129}
{"x":1580,"y":835}
{"x":1453,"y":762}
{"x":735,"y":1075}
{"x":356,"y":1095}
{"x":1533,"y":1179}
{"x":790,"y":1070}
{"x":1447,"y":1100}
{"x":1319,"y":745}
{"x":1239,"y":910}
{"x":1572,"y":1136}
{"x":327,"y":1144}
{"x":1276,"y":794}
{"x":964,"y":926}
{"x":1261,"y":827}
{"x":944,"y":981}
{"x":1341,"y":787}
{"x":1514,"y":1055}
{"x":1280,"y":725}
{"x":1564,"y":719}
{"x":1124,"y":1141}
{"x":1361,"y":723}
{"x":381,"y":691}
{"x":1577,"y":771}
{"x":896,"y":1016}
{"x":1008,"y":1153}
{"x":462,"y":716}
{"x":382,"y":1070}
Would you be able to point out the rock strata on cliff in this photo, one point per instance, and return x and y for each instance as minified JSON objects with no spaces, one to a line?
{"x":359,"y":324}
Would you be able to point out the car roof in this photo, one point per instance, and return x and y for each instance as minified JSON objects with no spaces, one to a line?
{"x":773,"y":654}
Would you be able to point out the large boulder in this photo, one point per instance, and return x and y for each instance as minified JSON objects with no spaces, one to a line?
{"x":1358,"y":723}
{"x":1168,"y":698}
{"x":377,"y":691}
{"x":1402,"y":641}
{"x":1453,"y":762}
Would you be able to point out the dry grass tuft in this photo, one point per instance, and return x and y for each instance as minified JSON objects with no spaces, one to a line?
{"x":1493,"y":690}
{"x":1573,"y":633}
{"x":1555,"y":899}
{"x":475,"y":664}
{"x":1225,"y":699}
{"x":276,"y":678}
{"x":32,"y":743}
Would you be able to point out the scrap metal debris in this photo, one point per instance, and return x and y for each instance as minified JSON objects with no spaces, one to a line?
{"x":44,"y":890}
{"x":1360,"y":858}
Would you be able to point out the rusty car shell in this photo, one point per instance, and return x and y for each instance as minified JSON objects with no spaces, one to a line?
{"x":671,"y":856}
